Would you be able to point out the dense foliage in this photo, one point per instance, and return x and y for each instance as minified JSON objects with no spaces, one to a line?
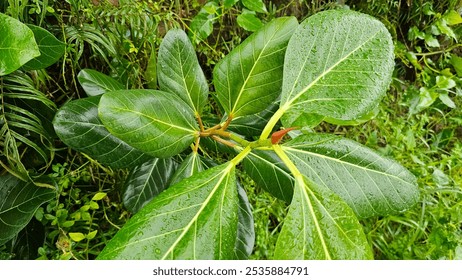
{"x":81,"y":167}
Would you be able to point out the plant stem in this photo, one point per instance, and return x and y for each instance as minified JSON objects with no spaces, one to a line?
{"x":286,"y":160}
{"x":439,"y":52}
{"x":241,"y":155}
{"x":272,"y":122}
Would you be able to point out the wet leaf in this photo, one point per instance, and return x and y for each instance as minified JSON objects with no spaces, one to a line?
{"x":369,"y":183}
{"x":96,"y":83}
{"x":269,"y":173}
{"x":146,"y":181}
{"x":155,"y":122}
{"x":18,"y":202}
{"x":17,"y":46}
{"x":249,"y":78}
{"x":320,"y":226}
{"x":179,"y":71}
{"x":338,"y":64}
{"x":77,"y":124}
{"x":194,"y":219}
{"x":51,"y":49}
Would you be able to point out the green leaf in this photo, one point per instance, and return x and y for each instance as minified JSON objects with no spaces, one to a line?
{"x":96,"y":83}
{"x":252,"y":125}
{"x":51,"y":49}
{"x":443,"y":82}
{"x":194,"y":219}
{"x":91,"y":234}
{"x":338,"y":64}
{"x":99,"y":196}
{"x":150,"y":74}
{"x":155,"y":122}
{"x":255,"y":5}
{"x":369,"y":183}
{"x":179,"y":71}
{"x":18,"y":202}
{"x":245,"y":228}
{"x":269,"y":173}
{"x":78,"y":126}
{"x":191,"y":165}
{"x":76,"y":236}
{"x":17,"y":46}
{"x":194,"y":164}
{"x":444,"y":97}
{"x":320,"y":225}
{"x":202,"y":24}
{"x":249,"y":21}
{"x":146,"y":181}
{"x":456,"y":62}
{"x":249,"y":78}
{"x":229,"y":3}
{"x":452,"y":17}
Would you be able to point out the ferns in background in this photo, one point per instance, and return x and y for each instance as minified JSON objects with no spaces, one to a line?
{"x":24,"y":140}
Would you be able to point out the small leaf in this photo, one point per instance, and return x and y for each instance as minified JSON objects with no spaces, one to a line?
{"x":17,"y":46}
{"x":150,"y":74}
{"x":338,"y":65}
{"x":146,"y":181}
{"x":96,"y":83}
{"x":431,"y":41}
{"x":194,"y":219}
{"x":444,"y":97}
{"x":248,"y":79}
{"x":443,"y":82}
{"x":369,"y":183}
{"x":320,"y":226}
{"x":255,"y":5}
{"x":452,"y":17}
{"x":202,"y":24}
{"x":249,"y":21}
{"x":76,"y":236}
{"x":92,"y":234}
{"x":229,"y":3}
{"x":18,"y":202}
{"x":179,"y":71}
{"x":99,"y":196}
{"x":51,"y":49}
{"x":456,"y":62}
{"x":77,"y":124}
{"x":155,"y":122}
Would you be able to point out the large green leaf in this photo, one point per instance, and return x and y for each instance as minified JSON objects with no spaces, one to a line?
{"x":51,"y":49}
{"x":191,"y":165}
{"x":338,"y":64}
{"x":78,"y":126}
{"x":245,"y":228}
{"x":96,"y":83}
{"x":194,"y":219}
{"x":252,"y":125}
{"x":194,"y":163}
{"x":320,"y":225}
{"x":249,"y":78}
{"x":17,"y":45}
{"x":179,"y":71}
{"x":155,"y":122}
{"x":368,"y":182}
{"x":270,"y":173}
{"x":146,"y":181}
{"x":18,"y":202}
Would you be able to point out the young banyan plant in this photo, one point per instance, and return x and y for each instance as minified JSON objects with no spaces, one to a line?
{"x":335,"y":66}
